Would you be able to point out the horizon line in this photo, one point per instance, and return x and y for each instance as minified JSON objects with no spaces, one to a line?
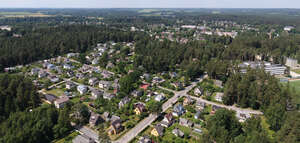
{"x":137,"y":8}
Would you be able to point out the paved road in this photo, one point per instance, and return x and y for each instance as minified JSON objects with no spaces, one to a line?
{"x":137,"y":129}
{"x":89,"y":132}
{"x":152,"y":117}
{"x":239,"y":110}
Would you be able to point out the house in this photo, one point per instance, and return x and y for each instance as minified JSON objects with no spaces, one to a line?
{"x":145,"y":139}
{"x":200,"y":105}
{"x":35,"y":71}
{"x":94,"y":119}
{"x":173,"y":74}
{"x":54,"y":79}
{"x":178,"y":110}
{"x":115,"y":127}
{"x":197,"y":130}
{"x":42,"y":74}
{"x":82,"y":89}
{"x":67,"y":66}
{"x":93,"y":81}
{"x":178,"y":133}
{"x":218,"y":83}
{"x":79,"y":75}
{"x":96,"y":93}
{"x":50,"y":98}
{"x":188,"y":101}
{"x":197,"y":91}
{"x":105,"y":116}
{"x":185,"y":122}
{"x":110,"y":65}
{"x":178,"y":85}
{"x":70,"y":73}
{"x":95,"y":61}
{"x":137,"y":93}
{"x":51,"y":67}
{"x":108,"y":96}
{"x":291,"y":62}
{"x":242,"y":116}
{"x":157,"y":80}
{"x":70,"y":55}
{"x":145,"y":86}
{"x":106,"y":74}
{"x":197,"y":115}
{"x":168,"y":120}
{"x":219,"y":96}
{"x":146,"y":76}
{"x":215,"y":108}
{"x":104,"y":84}
{"x":114,"y":118}
{"x":60,"y":102}
{"x":124,"y":101}
{"x":158,"y":130}
{"x":288,"y":28}
{"x":139,"y":108}
{"x":159,"y":97}
{"x":70,"y":85}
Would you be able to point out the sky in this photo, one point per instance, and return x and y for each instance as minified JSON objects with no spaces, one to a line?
{"x":149,"y":3}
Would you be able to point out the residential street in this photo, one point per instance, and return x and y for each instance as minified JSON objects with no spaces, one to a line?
{"x":89,"y":132}
{"x":177,"y":94}
{"x":151,"y":118}
{"x":137,"y":129}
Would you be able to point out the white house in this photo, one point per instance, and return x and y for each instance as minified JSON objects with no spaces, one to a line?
{"x":219,"y":96}
{"x":82,"y":89}
{"x":159,"y":97}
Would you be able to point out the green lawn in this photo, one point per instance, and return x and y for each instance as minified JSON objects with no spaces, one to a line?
{"x":296,"y":71}
{"x":67,"y":139}
{"x":56,"y":92}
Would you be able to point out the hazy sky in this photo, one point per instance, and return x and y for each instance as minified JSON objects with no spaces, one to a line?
{"x":150,"y":3}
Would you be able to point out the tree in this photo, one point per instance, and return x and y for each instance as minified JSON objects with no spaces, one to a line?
{"x":154,"y":107}
{"x":63,"y":125}
{"x":290,"y":130}
{"x":223,"y":127}
{"x":81,"y":113}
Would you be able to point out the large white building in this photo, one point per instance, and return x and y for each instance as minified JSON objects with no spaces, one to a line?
{"x":273,"y":69}
{"x":291,"y":62}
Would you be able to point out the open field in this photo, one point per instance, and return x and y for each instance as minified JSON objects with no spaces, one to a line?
{"x":56,"y":92}
{"x":296,"y":71}
{"x":22,"y":14}
{"x":148,"y":10}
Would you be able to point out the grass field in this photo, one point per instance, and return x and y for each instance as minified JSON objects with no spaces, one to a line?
{"x":56,"y":92}
{"x":296,"y":71}
{"x":22,"y":14}
{"x":148,"y":10}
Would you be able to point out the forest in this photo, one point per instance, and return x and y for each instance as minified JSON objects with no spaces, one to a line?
{"x":49,"y":42}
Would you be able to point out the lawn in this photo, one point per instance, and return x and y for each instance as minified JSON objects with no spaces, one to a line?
{"x":67,"y":139}
{"x":56,"y":92}
{"x":296,"y":71}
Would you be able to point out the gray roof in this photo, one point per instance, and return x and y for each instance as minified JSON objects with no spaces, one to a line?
{"x":159,"y":129}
